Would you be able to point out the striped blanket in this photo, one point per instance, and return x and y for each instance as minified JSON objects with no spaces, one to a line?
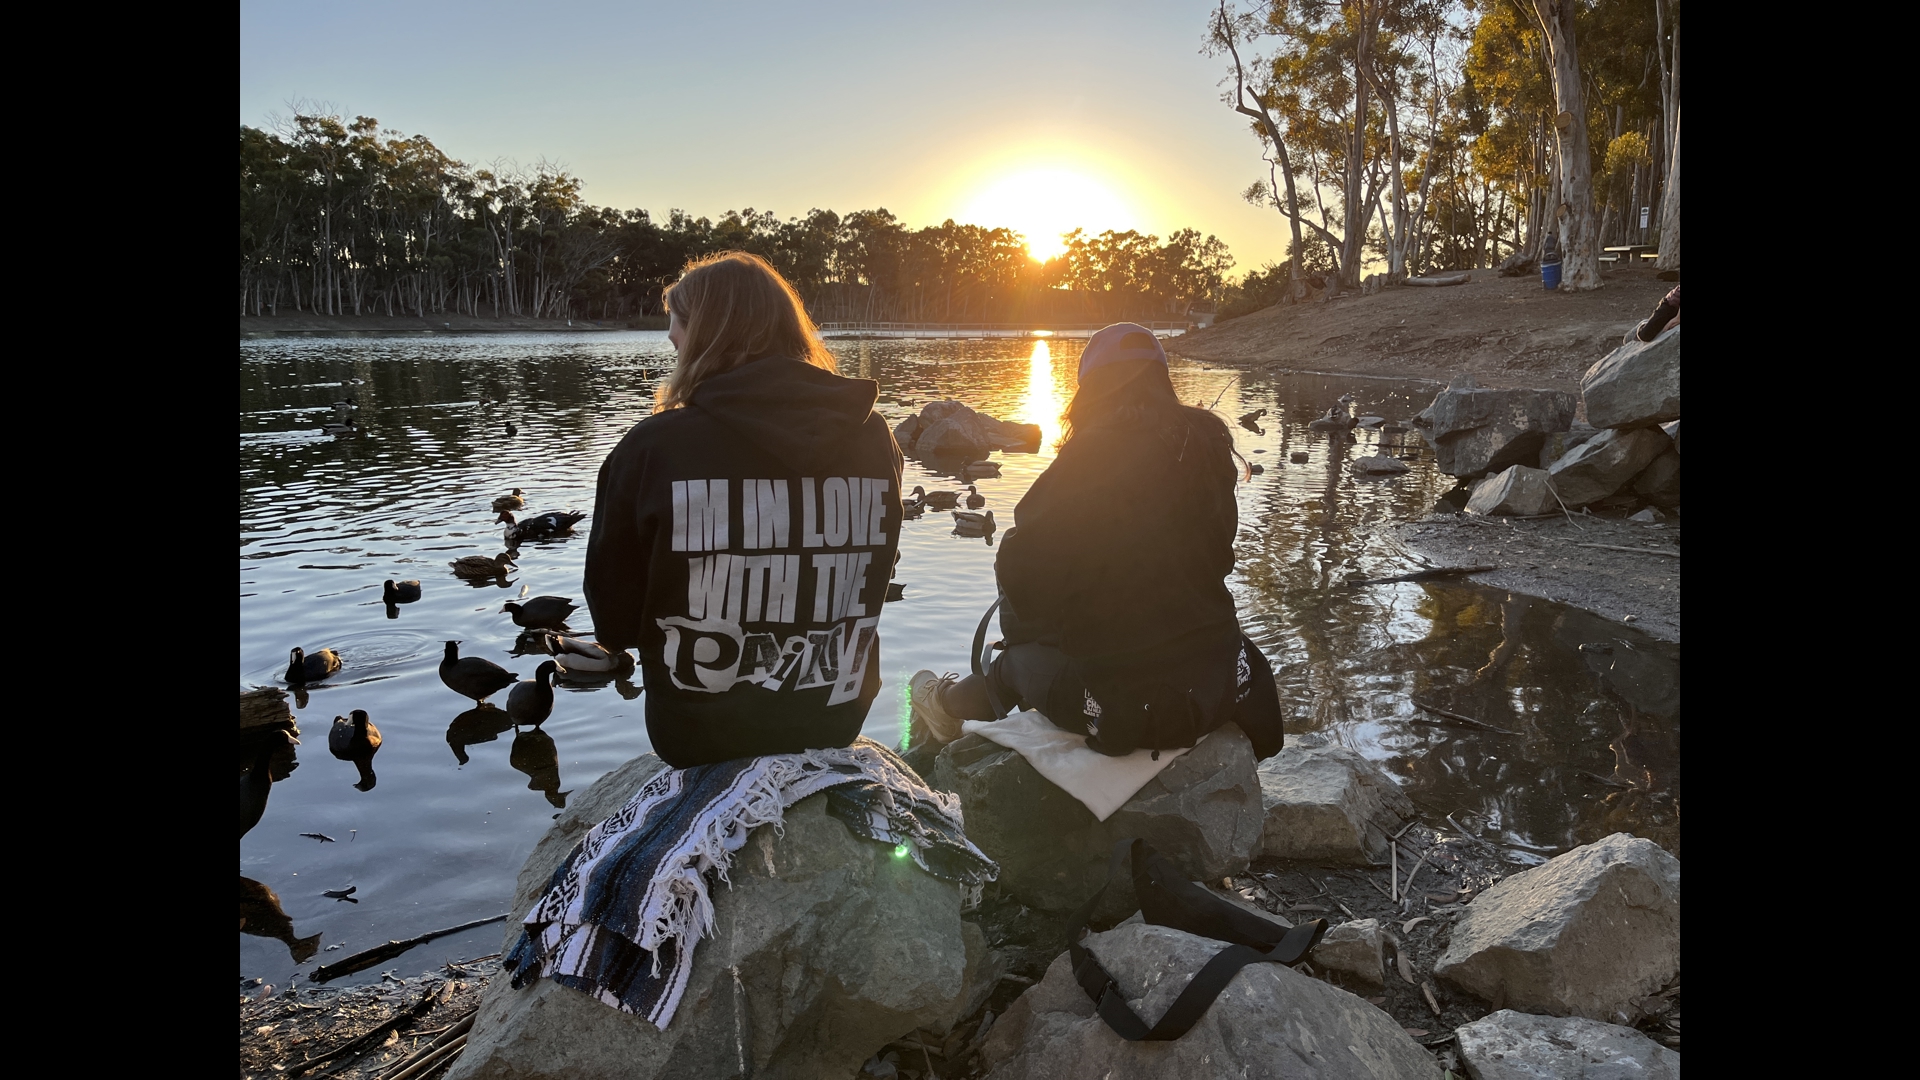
{"x":625,"y":909}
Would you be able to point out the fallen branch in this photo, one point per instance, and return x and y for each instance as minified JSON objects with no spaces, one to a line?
{"x":1439,"y":280}
{"x":380,"y":954}
{"x":1622,"y":547}
{"x":356,"y":1048}
{"x":1420,"y":575}
{"x":1461,"y":717}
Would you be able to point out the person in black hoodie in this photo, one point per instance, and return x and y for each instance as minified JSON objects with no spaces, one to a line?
{"x":743,"y":535}
{"x":1115,"y":612}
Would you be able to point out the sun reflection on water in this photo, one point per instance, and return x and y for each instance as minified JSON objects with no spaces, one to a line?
{"x":1045,"y":402}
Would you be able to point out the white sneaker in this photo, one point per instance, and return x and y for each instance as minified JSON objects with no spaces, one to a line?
{"x":923,"y":694}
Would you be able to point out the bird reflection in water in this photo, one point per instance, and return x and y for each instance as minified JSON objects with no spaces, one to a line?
{"x":534,"y":642}
{"x":483,"y":723}
{"x":356,"y":740}
{"x":261,"y":916}
{"x":535,"y":754}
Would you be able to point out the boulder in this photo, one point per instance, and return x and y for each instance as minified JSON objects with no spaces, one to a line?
{"x":1203,"y":812}
{"x":1510,"y":1045}
{"x":1605,"y":463}
{"x":1636,"y":384}
{"x":806,"y":975}
{"x":1516,"y":492}
{"x":1673,"y":432}
{"x":1326,"y":803}
{"x":1356,"y":948}
{"x":906,"y":432}
{"x":1475,"y":430}
{"x":1648,"y":516}
{"x":1378,"y":465}
{"x":1659,"y":482}
{"x":951,"y":429}
{"x":1557,"y":443}
{"x":1579,"y":935}
{"x":1270,"y":1021}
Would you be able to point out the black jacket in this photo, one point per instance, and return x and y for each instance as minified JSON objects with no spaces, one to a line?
{"x":743,"y":544}
{"x":1120,"y":555}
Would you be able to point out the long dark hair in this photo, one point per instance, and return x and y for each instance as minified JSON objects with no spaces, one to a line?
{"x":1137,"y":396}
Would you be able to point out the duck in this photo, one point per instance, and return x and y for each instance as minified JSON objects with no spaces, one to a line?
{"x":1339,"y":418}
{"x":1253,"y":417}
{"x":975,"y":500}
{"x":472,"y":676}
{"x":511,"y":430}
{"x":302,"y":668}
{"x":549,"y":612}
{"x":940,"y":500}
{"x":968,"y":523}
{"x":346,"y":405}
{"x":400,"y":592}
{"x":344,"y":427}
{"x":577,"y":654}
{"x":479,"y":566}
{"x":532,"y":702}
{"x":510,"y":502}
{"x":913,"y":507}
{"x":540,"y":526}
{"x":979,"y":470}
{"x":353,"y":737}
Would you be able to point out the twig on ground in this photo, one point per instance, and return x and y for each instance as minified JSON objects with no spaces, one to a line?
{"x":1564,"y":510}
{"x":360,"y":1046}
{"x":1394,"y":849}
{"x":1461,"y":717}
{"x":1623,"y":547}
{"x":1407,"y":889}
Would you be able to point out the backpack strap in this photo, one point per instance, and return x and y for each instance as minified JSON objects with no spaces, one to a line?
{"x":1168,"y":899}
{"x":981,"y":659}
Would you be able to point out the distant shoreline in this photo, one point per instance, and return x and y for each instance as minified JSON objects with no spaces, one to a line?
{"x":305,"y":324}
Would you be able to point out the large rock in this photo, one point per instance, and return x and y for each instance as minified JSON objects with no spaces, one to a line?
{"x":1475,"y":430}
{"x":1511,"y":1045}
{"x":1516,"y":492}
{"x":1270,"y":1021}
{"x":1203,"y":812}
{"x":1580,"y":935}
{"x":1636,"y":385}
{"x":1557,"y":443}
{"x":1659,"y":482}
{"x":1605,"y":463}
{"x":1673,"y":432}
{"x":808,"y":973}
{"x":951,"y":429}
{"x":1324,"y":802}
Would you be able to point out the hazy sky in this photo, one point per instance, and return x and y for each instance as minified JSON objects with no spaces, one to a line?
{"x":1061,"y":113}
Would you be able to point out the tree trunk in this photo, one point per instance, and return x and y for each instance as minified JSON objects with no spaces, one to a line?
{"x":1580,"y":254}
{"x":1670,"y":206}
{"x":1354,"y":221}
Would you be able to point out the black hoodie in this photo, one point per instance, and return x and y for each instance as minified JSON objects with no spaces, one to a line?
{"x":743,"y":543}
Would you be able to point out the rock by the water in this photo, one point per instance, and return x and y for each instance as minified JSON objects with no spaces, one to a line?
{"x":949,"y":428}
{"x":808,"y":972}
{"x":1648,"y":516}
{"x":1606,"y":463}
{"x":1371,"y":421}
{"x":1298,"y":457}
{"x":1269,"y":1022}
{"x":1379,"y":465}
{"x":1355,"y":948}
{"x":1203,"y":812}
{"x":1516,"y":492}
{"x":1636,"y":384}
{"x":1659,"y":482}
{"x":1510,"y":1045}
{"x":1557,"y":443}
{"x":1582,"y":934}
{"x":1475,"y":430}
{"x":1326,"y":803}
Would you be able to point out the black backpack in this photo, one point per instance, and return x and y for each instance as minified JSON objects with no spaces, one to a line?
{"x":1167,"y":898}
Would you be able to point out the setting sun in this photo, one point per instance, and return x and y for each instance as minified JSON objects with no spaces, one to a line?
{"x":1042,"y":204}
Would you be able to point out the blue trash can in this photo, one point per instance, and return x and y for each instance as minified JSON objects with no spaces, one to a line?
{"x":1550,"y":275}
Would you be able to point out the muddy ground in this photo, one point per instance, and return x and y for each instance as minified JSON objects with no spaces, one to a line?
{"x":1506,"y":332}
{"x":365,"y":1032}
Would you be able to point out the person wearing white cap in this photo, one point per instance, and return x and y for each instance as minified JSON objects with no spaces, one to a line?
{"x":1115,"y":612}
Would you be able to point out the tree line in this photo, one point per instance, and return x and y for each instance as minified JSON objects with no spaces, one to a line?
{"x":346,"y":217}
{"x":1435,"y":134}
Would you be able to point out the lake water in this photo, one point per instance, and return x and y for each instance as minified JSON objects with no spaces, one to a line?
{"x":459,"y":804}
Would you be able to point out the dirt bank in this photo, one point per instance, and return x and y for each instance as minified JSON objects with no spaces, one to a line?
{"x":1503,"y":331}
{"x":306,"y":322}
{"x":1621,"y":570}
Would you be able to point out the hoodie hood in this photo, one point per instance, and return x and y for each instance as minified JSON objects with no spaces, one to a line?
{"x":795,"y":411}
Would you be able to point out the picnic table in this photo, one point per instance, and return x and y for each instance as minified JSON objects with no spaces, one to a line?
{"x":1631,"y":252}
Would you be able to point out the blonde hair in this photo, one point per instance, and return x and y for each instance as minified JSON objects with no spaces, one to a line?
{"x":735,"y":309}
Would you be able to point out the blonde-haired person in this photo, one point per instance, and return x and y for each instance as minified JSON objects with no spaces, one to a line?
{"x":744,"y":533}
